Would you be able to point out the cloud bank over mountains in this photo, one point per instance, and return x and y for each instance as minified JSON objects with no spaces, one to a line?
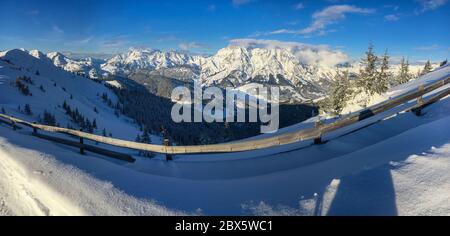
{"x":305,"y":53}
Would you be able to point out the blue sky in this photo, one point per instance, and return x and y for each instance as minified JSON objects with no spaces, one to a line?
{"x":418,"y":29}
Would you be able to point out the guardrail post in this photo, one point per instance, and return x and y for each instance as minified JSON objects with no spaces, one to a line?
{"x":13,"y":125}
{"x":420,"y":102}
{"x":82,"y":144}
{"x":34,"y":129}
{"x":318,"y":140}
{"x":167,"y":143}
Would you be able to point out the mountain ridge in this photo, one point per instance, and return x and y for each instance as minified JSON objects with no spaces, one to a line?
{"x":300,"y":71}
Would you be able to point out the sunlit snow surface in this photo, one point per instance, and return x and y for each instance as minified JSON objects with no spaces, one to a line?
{"x":405,"y":173}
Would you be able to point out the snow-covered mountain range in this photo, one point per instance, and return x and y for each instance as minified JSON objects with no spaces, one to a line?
{"x":302,"y":72}
{"x":233,"y":66}
{"x":147,"y":59}
{"x":237,"y":66}
{"x":88,"y":66}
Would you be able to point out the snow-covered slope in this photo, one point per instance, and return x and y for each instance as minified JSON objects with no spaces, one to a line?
{"x":438,"y":74}
{"x":362,"y":100}
{"x":36,"y":183}
{"x":50,"y":86}
{"x":88,"y":67}
{"x":395,"y":167}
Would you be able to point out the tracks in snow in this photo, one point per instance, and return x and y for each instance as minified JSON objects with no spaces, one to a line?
{"x":23,"y":194}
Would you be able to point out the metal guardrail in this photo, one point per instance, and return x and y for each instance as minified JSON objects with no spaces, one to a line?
{"x":288,"y":138}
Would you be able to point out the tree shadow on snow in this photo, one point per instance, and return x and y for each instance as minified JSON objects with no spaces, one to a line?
{"x":368,"y":193}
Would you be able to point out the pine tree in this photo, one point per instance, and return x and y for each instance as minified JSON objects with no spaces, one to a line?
{"x":23,"y":88}
{"x":368,"y":71}
{"x":404,"y":75}
{"x":383,"y":78}
{"x":49,"y":118}
{"x":88,"y":126}
{"x":105,"y":97}
{"x":227,"y":132}
{"x":138,"y":138}
{"x":145,"y":138}
{"x":3,"y":110}
{"x":28,"y":109}
{"x":339,"y":94}
{"x":94,"y":124}
{"x":427,"y":68}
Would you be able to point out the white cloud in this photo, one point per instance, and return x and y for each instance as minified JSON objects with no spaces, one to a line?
{"x":80,"y":41}
{"x":294,"y":22}
{"x":431,"y":4}
{"x":33,"y":12}
{"x":212,"y":8}
{"x":428,"y":47}
{"x":394,"y":7}
{"x":391,"y":17}
{"x":166,"y":38}
{"x":283,"y":31}
{"x":237,"y":3}
{"x":34,"y":15}
{"x":328,"y":16}
{"x":307,"y":53}
{"x":331,"y":15}
{"x":114,"y":42}
{"x":86,"y":40}
{"x":190,"y":45}
{"x":299,"y":6}
{"x":57,"y":30}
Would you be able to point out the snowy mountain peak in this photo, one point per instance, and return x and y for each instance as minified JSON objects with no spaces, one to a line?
{"x":148,"y":59}
{"x":24,"y":57}
{"x":250,"y":62}
{"x":14,"y":53}
{"x":38,"y":54}
{"x":88,"y":66}
{"x":57,"y":58}
{"x":34,"y":62}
